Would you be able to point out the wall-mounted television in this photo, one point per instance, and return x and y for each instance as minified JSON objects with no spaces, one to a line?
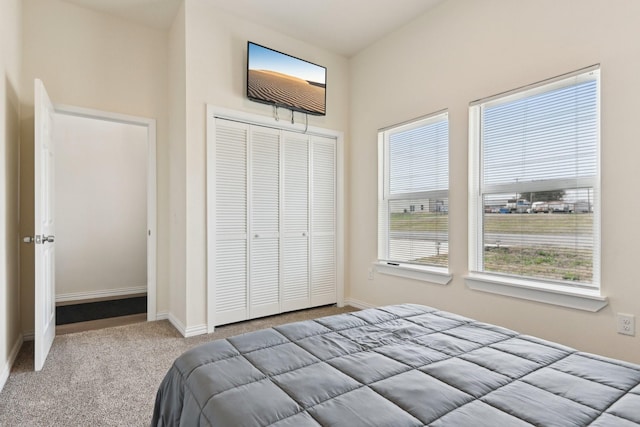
{"x":285,"y":81}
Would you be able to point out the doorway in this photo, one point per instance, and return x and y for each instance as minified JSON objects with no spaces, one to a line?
{"x":105,"y":218}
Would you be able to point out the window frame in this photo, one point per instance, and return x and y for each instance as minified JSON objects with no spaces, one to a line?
{"x":581,"y":296}
{"x":429,"y":273}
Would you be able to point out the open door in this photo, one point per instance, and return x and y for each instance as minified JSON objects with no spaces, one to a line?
{"x":45,"y":310}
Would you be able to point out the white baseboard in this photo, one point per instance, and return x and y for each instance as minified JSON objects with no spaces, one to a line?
{"x":192,"y":331}
{"x":176,"y":324}
{"x":358,"y":304}
{"x":28,"y":335}
{"x":6,"y":369}
{"x":162,"y":315}
{"x":106,"y":293}
{"x":187,"y":332}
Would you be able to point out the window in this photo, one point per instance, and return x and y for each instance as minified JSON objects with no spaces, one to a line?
{"x":534,"y":177}
{"x":414,"y":193}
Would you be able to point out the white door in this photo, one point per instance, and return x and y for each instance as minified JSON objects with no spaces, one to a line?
{"x":230,"y":262}
{"x":295,"y":226}
{"x":323,"y":221}
{"x":264,"y":221}
{"x":45,"y":310}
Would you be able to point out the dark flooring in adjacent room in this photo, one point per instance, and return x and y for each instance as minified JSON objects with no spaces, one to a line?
{"x":83,"y":312}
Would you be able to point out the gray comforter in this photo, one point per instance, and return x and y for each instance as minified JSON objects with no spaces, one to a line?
{"x":403,"y":365}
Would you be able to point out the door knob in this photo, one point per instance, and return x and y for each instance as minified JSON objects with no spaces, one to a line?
{"x":38,"y":239}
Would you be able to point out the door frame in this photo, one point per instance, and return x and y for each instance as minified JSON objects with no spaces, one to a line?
{"x":152,"y":239}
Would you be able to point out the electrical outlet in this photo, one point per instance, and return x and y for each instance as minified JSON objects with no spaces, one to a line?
{"x":371,"y":271}
{"x":626,"y":324}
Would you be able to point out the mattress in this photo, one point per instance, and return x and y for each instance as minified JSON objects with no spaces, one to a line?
{"x":401,"y":365}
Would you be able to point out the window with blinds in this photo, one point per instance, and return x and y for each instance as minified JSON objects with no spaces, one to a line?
{"x":414,"y":192}
{"x":535,"y":181}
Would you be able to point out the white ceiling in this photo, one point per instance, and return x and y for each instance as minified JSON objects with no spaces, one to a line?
{"x":153,"y":13}
{"x":341,"y":26}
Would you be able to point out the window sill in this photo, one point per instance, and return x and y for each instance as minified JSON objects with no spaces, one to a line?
{"x":440,"y":276}
{"x":580,"y":299}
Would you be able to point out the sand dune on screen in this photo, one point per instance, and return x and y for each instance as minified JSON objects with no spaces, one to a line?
{"x":282,"y":89}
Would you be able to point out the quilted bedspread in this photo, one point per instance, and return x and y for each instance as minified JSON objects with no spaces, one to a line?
{"x":402,"y":365}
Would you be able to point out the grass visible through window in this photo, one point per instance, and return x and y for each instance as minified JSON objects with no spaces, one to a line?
{"x":557,"y":262}
{"x":550,"y":263}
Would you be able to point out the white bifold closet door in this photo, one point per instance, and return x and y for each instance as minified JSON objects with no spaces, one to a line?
{"x":295,"y":223}
{"x":323,"y":221}
{"x":231,"y":259}
{"x":264,"y":222}
{"x":275,"y":227}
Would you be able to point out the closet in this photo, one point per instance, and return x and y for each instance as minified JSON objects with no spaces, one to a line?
{"x":274,"y":221}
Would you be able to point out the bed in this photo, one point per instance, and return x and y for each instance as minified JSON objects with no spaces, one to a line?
{"x":401,"y":365}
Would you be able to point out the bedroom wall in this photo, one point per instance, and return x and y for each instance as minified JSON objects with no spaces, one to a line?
{"x":10,"y":51}
{"x":215,"y":74}
{"x":97,"y":61}
{"x":177,"y":184}
{"x":468,"y":49}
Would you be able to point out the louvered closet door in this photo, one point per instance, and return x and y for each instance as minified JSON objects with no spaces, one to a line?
{"x":295,"y":222}
{"x":264,"y":241}
{"x":231,"y":222}
{"x":323,"y":221}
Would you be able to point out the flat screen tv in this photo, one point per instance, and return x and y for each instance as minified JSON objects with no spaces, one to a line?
{"x":285,"y":81}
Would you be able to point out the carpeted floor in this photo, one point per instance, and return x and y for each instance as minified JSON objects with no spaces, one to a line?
{"x":109,"y":377}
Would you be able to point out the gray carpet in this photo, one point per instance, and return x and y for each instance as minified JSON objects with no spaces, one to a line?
{"x":108,"y":377}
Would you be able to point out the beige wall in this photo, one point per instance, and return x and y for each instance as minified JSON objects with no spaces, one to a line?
{"x":215,"y":74}
{"x":468,"y":49}
{"x":93,"y":60}
{"x":10,"y":35}
{"x":101,"y":207}
{"x":177,"y":150}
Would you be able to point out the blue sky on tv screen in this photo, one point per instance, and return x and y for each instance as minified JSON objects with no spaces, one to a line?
{"x":261,"y":58}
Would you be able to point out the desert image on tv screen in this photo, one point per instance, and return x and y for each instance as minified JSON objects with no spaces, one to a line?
{"x":276,"y":78}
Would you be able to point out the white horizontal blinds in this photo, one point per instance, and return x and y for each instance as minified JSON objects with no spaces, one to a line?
{"x":264,"y":221}
{"x":539,"y":180}
{"x":323,"y":221}
{"x":419,"y":157}
{"x":547,"y":136}
{"x":231,"y":221}
{"x":415,"y":198}
{"x":295,"y":225}
{"x":383,"y":202}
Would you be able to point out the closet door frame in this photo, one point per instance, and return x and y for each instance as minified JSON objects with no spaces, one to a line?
{"x":213,"y":113}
